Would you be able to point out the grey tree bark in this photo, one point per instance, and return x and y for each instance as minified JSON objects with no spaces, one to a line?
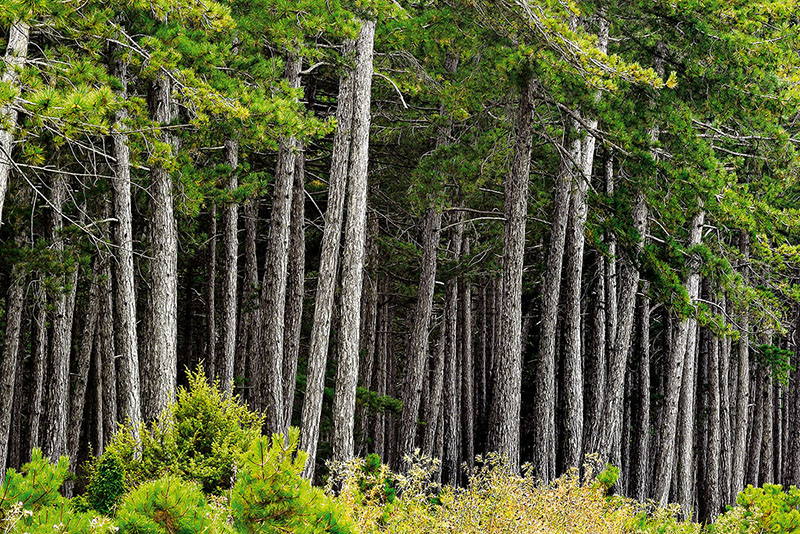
{"x":16,"y":53}
{"x":295,"y":288}
{"x":160,"y":374}
{"x":677,"y":357}
{"x":450,"y":460}
{"x":503,"y":436}
{"x":742,"y":389}
{"x":250,"y":318}
{"x":344,"y":400}
{"x":713,"y":485}
{"x":211,"y":294}
{"x":40,"y":350}
{"x":230,"y":246}
{"x":417,"y":351}
{"x":10,"y":361}
{"x":329,"y":260}
{"x":273,"y":289}
{"x":467,"y":368}
{"x":643,"y":446}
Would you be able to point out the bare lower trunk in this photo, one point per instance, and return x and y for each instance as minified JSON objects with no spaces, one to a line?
{"x":467,"y":369}
{"x":450,"y":460}
{"x":211,"y":294}
{"x":230,"y":246}
{"x":273,"y":290}
{"x":643,"y":446}
{"x":506,"y":397}
{"x":40,"y":349}
{"x":714,"y":489}
{"x":675,"y":370}
{"x":326,"y":283}
{"x":162,"y":360}
{"x":344,"y":399}
{"x":10,"y":362}
{"x":417,"y":351}
{"x":743,"y":390}
{"x":16,"y":52}
{"x":686,"y":439}
{"x":432,"y":415}
{"x":250,"y":319}
{"x":105,"y":347}
{"x":295,"y":288}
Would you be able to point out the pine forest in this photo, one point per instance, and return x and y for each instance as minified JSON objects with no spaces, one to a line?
{"x":548,"y":240}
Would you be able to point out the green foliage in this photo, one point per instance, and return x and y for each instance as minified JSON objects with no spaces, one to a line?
{"x":200,"y":437}
{"x":766,"y":509}
{"x":166,"y":506}
{"x":270,"y":494}
{"x":36,"y":485}
{"x":106,"y":484}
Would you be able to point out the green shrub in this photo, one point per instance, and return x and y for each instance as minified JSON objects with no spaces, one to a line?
{"x":766,"y":509}
{"x":106,"y":484}
{"x":270,"y":494}
{"x":35,"y":486}
{"x":199,"y":437}
{"x":168,"y":505}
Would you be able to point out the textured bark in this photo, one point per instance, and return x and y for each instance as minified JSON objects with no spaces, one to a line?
{"x":383,"y":335}
{"x":504,"y":418}
{"x":344,"y":400}
{"x":211,"y":294}
{"x":450,"y":459}
{"x":61,"y":343}
{"x":714,"y":490}
{"x":250,"y":319}
{"x":467,"y":368}
{"x":295,"y":288}
{"x":40,"y":349}
{"x":594,"y":384}
{"x":756,"y":432}
{"x":545,"y":402}
{"x":329,"y":260}
{"x":126,"y":337}
{"x":230,"y":248}
{"x":159,"y":378}
{"x":742,"y":389}
{"x":726,"y":438}
{"x":417,"y":351}
{"x":10,"y":362}
{"x":16,"y":52}
{"x":273,"y":289}
{"x":766,"y":454}
{"x":83,"y":362}
{"x":105,"y":348}
{"x":686,"y":431}
{"x":480,"y":366}
{"x":643,"y":445}
{"x":432,"y":415}
{"x":675,"y":368}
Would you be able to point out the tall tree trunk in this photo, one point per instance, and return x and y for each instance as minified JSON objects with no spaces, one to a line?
{"x":417,"y":351}
{"x":686,"y":431}
{"x":467,"y":368}
{"x":344,"y":400}
{"x":328,"y":266}
{"x":230,"y":246}
{"x":16,"y":52}
{"x":250,"y":318}
{"x":381,"y":368}
{"x":160,"y":379}
{"x":594,"y":384}
{"x":61,"y":345}
{"x":83,"y":362}
{"x":273,"y":291}
{"x":10,"y":362}
{"x":506,"y":397}
{"x":126,"y":339}
{"x":295,"y":288}
{"x":714,"y":487}
{"x":643,"y":445}
{"x":766,"y":454}
{"x":211,"y":294}
{"x":105,"y":346}
{"x":677,"y":357}
{"x":40,"y":350}
{"x":450,"y":460}
{"x":742,"y":389}
{"x":724,"y":415}
{"x":432,"y":415}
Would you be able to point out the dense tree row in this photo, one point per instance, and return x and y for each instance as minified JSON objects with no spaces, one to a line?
{"x":544,"y":229}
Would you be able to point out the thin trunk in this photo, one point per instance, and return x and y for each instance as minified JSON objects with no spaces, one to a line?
{"x":105,"y":346}
{"x":677,"y":357}
{"x":162,"y":359}
{"x":273,"y":290}
{"x":417,"y":351}
{"x":432,"y":417}
{"x":344,"y":399}
{"x":210,"y":293}
{"x":713,"y":497}
{"x":230,"y":246}
{"x":329,"y":259}
{"x":594,"y":385}
{"x":643,"y":446}
{"x":40,"y":349}
{"x":506,"y":397}
{"x":725,"y":423}
{"x":250,"y":319}
{"x":381,"y":350}
{"x":686,"y":431}
{"x":295,"y":287}
{"x":14,"y":60}
{"x":467,"y":368}
{"x":450,"y":460}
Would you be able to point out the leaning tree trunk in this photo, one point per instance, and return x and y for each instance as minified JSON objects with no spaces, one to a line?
{"x":326,"y":284}
{"x":162,"y":360}
{"x":295,"y":289}
{"x":344,"y":400}
{"x":230,"y":246}
{"x":16,"y":52}
{"x":677,"y":358}
{"x":273,"y":292}
{"x":417,"y":352}
{"x":506,"y":397}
